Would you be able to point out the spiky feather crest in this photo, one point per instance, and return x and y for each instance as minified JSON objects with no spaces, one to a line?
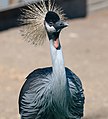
{"x":33,"y":17}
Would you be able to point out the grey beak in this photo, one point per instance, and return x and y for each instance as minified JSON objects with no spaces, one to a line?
{"x":60,"y":25}
{"x":65,"y":24}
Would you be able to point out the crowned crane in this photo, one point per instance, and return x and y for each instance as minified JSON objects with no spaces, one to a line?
{"x":52,"y":92}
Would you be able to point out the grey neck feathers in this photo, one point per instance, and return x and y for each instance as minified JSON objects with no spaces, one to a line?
{"x":58,"y":64}
{"x":59,"y":82}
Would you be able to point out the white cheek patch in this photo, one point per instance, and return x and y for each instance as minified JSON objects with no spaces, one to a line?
{"x":50,"y":28}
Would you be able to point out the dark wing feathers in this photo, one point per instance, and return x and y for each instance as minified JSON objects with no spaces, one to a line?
{"x":31,"y":101}
{"x":30,"y":107}
{"x":76,"y":103}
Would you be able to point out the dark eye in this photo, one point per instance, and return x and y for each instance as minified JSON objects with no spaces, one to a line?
{"x":51,"y":23}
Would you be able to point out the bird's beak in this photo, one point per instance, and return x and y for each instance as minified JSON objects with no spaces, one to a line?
{"x":60,"y":25}
{"x":65,"y":24}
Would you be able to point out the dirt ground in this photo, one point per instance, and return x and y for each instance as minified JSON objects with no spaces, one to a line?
{"x":85,"y":47}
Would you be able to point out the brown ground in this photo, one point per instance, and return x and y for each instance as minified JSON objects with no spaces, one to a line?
{"x":85,"y":46}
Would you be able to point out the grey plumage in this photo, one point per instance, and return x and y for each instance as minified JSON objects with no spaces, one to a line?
{"x":53,"y":92}
{"x":36,"y":97}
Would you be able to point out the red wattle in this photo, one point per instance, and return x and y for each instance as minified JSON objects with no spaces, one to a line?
{"x":56,"y":43}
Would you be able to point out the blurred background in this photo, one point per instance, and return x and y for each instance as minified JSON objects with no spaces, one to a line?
{"x":85,"y":48}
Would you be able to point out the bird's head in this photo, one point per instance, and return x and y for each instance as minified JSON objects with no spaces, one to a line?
{"x":53,"y":25}
{"x":40,"y":18}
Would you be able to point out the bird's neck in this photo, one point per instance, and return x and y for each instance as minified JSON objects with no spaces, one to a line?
{"x":57,"y":63}
{"x":59,"y":83}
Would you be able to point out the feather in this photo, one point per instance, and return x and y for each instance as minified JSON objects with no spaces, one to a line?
{"x":33,"y":20}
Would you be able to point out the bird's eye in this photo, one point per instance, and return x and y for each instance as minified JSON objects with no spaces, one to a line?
{"x":51,"y":23}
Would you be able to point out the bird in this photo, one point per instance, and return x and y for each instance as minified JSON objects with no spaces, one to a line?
{"x":51,"y":92}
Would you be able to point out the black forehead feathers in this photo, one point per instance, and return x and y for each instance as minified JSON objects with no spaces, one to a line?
{"x":52,"y":17}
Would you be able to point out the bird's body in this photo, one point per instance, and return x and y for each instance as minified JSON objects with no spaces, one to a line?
{"x":53,"y":92}
{"x":38,"y":100}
